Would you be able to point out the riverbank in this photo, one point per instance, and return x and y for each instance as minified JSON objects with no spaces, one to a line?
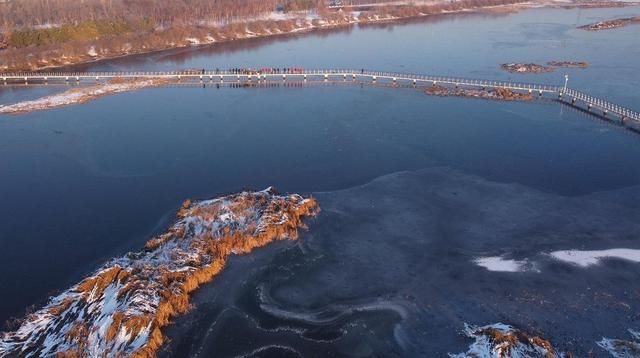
{"x":275,"y":24}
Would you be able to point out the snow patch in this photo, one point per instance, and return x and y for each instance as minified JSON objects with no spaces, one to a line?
{"x":92,"y":51}
{"x":501,"y":340}
{"x":594,"y":257}
{"x":619,"y":348}
{"x":193,"y":41}
{"x":500,"y":264}
{"x":75,"y":95}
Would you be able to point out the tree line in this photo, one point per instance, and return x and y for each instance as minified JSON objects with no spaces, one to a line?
{"x":46,"y":13}
{"x":50,"y":33}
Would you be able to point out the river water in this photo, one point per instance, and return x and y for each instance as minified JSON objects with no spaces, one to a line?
{"x":413,"y":187}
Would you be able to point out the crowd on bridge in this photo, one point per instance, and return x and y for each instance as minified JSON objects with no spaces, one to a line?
{"x":260,"y":71}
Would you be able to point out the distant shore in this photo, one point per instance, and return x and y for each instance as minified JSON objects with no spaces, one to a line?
{"x":36,"y":59}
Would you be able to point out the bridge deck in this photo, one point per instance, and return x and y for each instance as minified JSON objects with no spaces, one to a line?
{"x":592,"y":103}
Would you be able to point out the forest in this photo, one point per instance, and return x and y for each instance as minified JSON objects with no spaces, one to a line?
{"x":45,"y":13}
{"x":37,"y":34}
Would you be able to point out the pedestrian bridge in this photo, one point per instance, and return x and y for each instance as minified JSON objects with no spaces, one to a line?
{"x":567,"y":95}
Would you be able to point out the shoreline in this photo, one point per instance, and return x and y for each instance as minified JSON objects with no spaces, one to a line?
{"x":301,"y":25}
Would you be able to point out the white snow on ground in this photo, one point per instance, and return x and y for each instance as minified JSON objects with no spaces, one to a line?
{"x":500,"y":264}
{"x":619,"y":348}
{"x":579,"y":258}
{"x":74,"y":96}
{"x":111,"y":313}
{"x":92,"y":51}
{"x":589,"y":258}
{"x":518,"y":344}
{"x":271,"y":16}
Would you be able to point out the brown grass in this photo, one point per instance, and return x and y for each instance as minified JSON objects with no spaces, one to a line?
{"x":63,"y":306}
{"x":175,"y":302}
{"x":102,"y":280}
{"x":174,"y":287}
{"x":511,"y":339}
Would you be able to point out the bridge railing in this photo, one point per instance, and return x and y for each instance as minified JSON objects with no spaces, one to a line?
{"x":374,"y":75}
{"x":602,"y":104}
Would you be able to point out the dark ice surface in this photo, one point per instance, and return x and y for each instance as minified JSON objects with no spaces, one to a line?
{"x":387,"y":269}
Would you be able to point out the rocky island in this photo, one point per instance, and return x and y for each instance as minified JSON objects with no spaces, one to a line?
{"x":501,"y":340}
{"x":611,"y":24}
{"x":568,"y":64}
{"x":537,"y":68}
{"x":500,"y":94}
{"x":526,"y":68}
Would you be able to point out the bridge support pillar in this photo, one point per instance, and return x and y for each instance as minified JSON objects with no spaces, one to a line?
{"x":589,"y":106}
{"x":604,"y":112}
{"x":374,"y":78}
{"x":344,"y":76}
{"x":540,"y":93}
{"x":573,"y":100}
{"x":354,"y":76}
{"x":415,"y":82}
{"x":284,"y":77}
{"x":326,"y":76}
{"x":395,"y":80}
{"x":305,"y":77}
